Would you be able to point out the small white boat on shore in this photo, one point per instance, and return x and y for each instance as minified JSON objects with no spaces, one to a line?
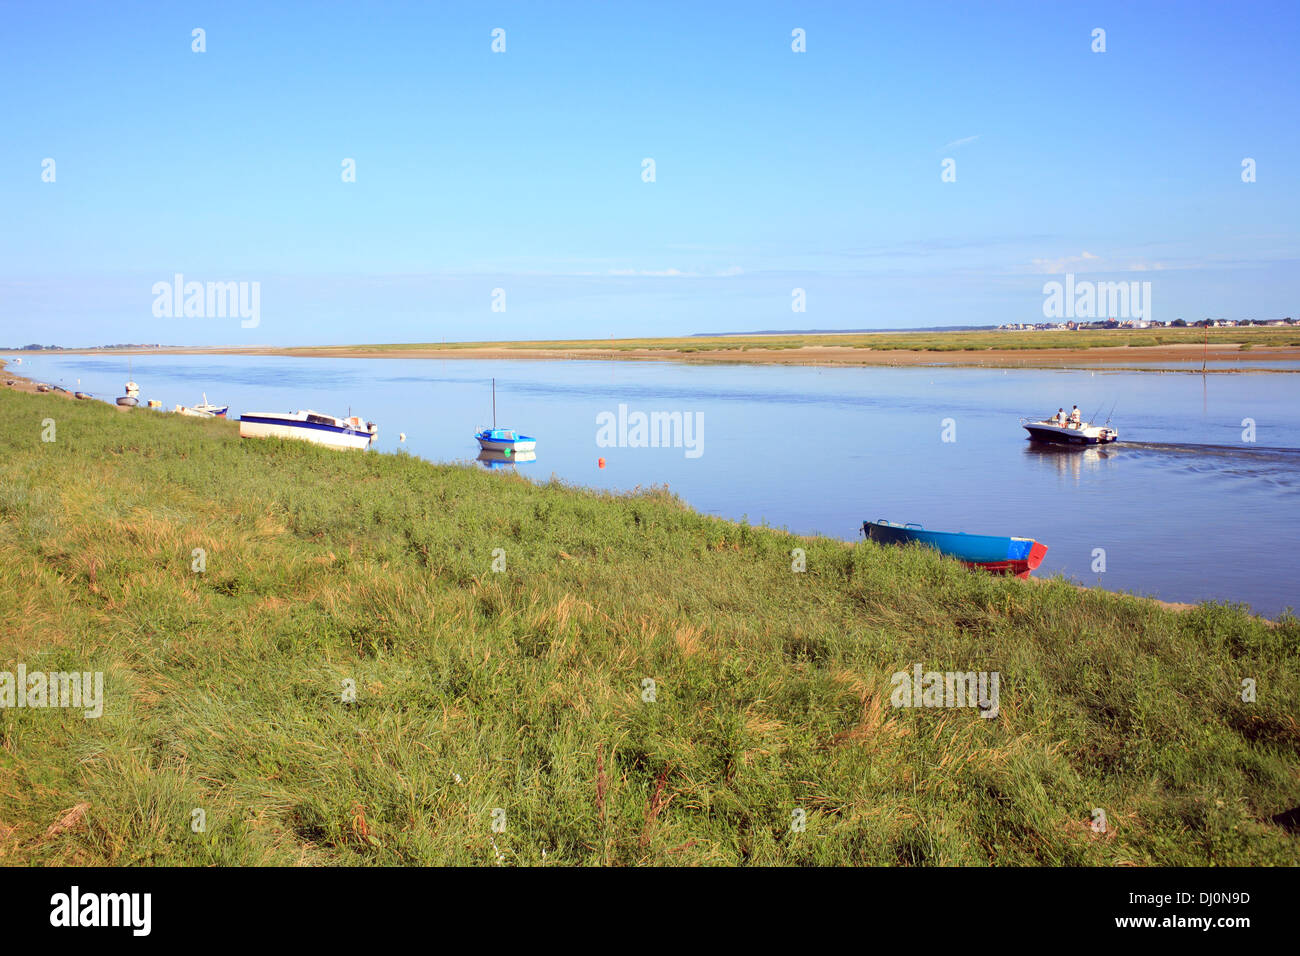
{"x":207,"y":407}
{"x":205,"y":410}
{"x":191,"y":412}
{"x":309,"y":426}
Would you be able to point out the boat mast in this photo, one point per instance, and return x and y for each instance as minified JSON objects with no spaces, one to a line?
{"x":494,"y":403}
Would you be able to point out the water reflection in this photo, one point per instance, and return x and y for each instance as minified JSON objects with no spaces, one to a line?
{"x":504,"y":459}
{"x":1069,"y":461}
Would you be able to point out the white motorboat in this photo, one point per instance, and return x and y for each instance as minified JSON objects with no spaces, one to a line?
{"x":309,"y":426}
{"x":1071,"y":433}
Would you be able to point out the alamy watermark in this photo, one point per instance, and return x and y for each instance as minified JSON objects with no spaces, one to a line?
{"x":37,"y":690}
{"x":651,"y":430}
{"x":1086,"y":299}
{"x":208,"y":300}
{"x":133,"y":911}
{"x":923,"y":688}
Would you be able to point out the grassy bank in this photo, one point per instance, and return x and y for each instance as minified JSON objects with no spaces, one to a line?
{"x":523,"y":690}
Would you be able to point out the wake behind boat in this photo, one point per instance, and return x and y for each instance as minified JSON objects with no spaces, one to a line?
{"x":993,"y":553}
{"x":309,"y":426}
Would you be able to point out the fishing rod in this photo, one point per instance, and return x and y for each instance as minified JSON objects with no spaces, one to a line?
{"x":1112,"y":411}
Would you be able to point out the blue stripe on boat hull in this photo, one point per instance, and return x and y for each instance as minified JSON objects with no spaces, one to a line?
{"x":293,"y":423}
{"x":975,"y":548}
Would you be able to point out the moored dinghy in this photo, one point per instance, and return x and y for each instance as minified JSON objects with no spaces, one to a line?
{"x":993,"y":553}
{"x":504,"y":440}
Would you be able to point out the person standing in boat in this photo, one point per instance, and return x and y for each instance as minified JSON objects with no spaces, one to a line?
{"x":1060,"y":417}
{"x":1075,"y":418}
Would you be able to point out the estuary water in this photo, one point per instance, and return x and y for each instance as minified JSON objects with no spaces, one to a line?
{"x":1199,"y":500}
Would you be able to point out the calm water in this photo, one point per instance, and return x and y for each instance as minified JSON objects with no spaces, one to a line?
{"x":1184,"y":508}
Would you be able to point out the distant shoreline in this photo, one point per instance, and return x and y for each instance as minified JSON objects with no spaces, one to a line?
{"x":1131,"y":350}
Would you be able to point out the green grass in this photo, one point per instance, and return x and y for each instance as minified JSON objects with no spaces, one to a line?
{"x":880,"y":341}
{"x":522,"y":690}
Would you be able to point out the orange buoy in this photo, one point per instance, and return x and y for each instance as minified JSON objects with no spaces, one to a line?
{"x":600,"y":462}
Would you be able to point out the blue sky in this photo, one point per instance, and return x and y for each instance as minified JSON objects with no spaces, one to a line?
{"x":522,"y":170}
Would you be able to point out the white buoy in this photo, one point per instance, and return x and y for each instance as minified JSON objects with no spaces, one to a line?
{"x":401,"y":436}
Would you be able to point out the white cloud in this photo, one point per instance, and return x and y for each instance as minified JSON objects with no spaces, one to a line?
{"x":1054,"y":266}
{"x":677,"y":273}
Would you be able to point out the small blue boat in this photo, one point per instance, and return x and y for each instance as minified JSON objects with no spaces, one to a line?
{"x":505,"y":440}
{"x":993,"y":553}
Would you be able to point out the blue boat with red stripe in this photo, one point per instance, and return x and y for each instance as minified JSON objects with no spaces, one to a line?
{"x":993,"y":553}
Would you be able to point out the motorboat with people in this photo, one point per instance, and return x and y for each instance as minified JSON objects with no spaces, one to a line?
{"x":1071,"y":429}
{"x":307,"y":425}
